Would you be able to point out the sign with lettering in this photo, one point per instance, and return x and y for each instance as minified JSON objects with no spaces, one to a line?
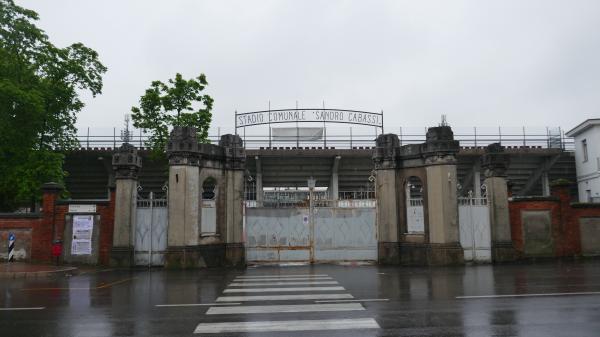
{"x":75,"y":208}
{"x":309,"y":115}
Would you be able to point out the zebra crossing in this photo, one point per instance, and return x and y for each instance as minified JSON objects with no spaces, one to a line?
{"x":293,"y":293}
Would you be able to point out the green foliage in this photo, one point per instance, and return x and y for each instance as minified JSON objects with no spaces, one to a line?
{"x":178,"y":103}
{"x":39,"y":102}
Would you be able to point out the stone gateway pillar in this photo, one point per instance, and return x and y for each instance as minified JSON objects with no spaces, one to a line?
{"x":386,"y":191}
{"x":439,"y":153}
{"x":126,"y":163}
{"x":495,"y":163}
{"x":433,"y":163}
{"x":205,"y":201}
{"x":232,"y":226}
{"x":183,"y":232}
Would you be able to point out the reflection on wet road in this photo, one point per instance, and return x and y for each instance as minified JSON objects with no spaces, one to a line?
{"x":548,"y":299}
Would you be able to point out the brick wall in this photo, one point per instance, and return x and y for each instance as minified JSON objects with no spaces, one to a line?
{"x":565,"y":223}
{"x":49,"y":225}
{"x":27,"y":228}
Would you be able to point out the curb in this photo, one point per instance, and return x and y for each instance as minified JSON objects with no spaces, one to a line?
{"x":36,"y":274}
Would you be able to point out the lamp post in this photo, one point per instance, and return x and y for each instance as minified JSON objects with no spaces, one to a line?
{"x":311,"y":186}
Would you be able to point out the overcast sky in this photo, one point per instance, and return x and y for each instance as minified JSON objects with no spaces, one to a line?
{"x":482,"y":63}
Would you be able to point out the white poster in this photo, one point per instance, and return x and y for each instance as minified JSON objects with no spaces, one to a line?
{"x":83,"y":226}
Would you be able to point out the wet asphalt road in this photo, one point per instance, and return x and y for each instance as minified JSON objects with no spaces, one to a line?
{"x":411,"y":301}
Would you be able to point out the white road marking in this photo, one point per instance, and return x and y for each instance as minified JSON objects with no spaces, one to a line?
{"x":196,"y":304}
{"x":293,"y":283}
{"x":320,"y":278}
{"x":301,"y":325}
{"x":529,"y":295}
{"x":280,"y":275}
{"x":18,"y":309}
{"x":270,"y":290}
{"x":283,"y":297}
{"x":357,"y":300}
{"x":264,"y":309}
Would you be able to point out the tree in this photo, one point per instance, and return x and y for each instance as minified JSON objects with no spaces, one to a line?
{"x":39,"y":101}
{"x":178,"y":103}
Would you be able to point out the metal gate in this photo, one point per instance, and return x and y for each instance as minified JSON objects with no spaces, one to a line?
{"x":277,"y":234}
{"x":345,"y":234}
{"x":151,"y":231}
{"x":474,"y":224}
{"x":326,"y":230}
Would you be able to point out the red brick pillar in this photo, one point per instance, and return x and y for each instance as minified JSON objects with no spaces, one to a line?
{"x":107,"y":223}
{"x":567,"y":236}
{"x":46,"y":231}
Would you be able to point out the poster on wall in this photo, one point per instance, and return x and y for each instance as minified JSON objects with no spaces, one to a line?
{"x":81,"y":243}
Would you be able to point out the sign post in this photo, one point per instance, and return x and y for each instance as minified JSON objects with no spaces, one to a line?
{"x":11,"y":247}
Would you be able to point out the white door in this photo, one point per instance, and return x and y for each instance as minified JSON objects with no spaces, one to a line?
{"x":474,"y":224}
{"x":151,"y":232}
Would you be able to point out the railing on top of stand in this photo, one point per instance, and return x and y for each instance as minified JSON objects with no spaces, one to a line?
{"x":351,"y":140}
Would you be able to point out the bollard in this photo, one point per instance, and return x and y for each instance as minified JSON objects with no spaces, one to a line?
{"x":11,"y":247}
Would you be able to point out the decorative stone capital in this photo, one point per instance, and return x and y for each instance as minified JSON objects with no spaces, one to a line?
{"x":182,"y":147}
{"x":235,"y":154}
{"x":495,"y":161}
{"x":440,"y":146}
{"x":126,"y":162}
{"x":386,"y":150}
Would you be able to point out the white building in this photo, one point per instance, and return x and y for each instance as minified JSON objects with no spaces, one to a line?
{"x":587,"y":159}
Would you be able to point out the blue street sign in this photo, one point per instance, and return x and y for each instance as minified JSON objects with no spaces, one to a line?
{"x":11,"y":237}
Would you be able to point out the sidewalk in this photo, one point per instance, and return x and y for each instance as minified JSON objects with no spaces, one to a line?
{"x":27,"y":270}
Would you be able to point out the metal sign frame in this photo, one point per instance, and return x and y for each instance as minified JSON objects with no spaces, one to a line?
{"x":319,"y":115}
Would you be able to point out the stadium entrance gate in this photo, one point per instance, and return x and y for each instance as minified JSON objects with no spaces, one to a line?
{"x":309,"y":226}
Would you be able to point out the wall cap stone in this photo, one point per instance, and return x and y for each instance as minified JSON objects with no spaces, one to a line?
{"x":83,"y":201}
{"x":585,"y":205}
{"x":20,"y":215}
{"x":52,"y":187}
{"x":534,"y":198}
